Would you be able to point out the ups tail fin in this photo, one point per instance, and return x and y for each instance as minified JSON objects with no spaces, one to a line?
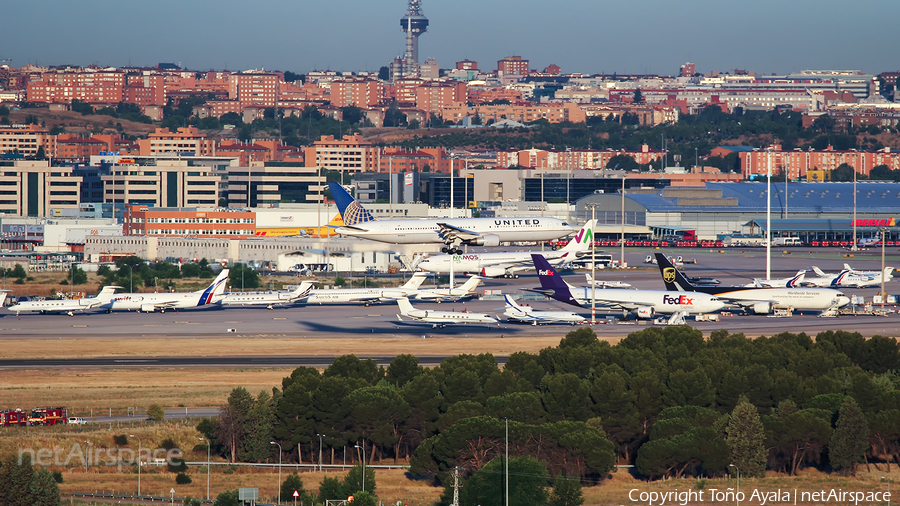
{"x":672,"y":277}
{"x":352,"y":212}
{"x":582,"y":240}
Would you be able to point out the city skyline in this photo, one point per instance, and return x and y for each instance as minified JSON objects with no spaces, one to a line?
{"x":643,"y":36}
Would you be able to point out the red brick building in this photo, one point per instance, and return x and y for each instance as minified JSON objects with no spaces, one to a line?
{"x":513,"y":65}
{"x":362,"y":93}
{"x":432,"y":96}
{"x":180,"y":222}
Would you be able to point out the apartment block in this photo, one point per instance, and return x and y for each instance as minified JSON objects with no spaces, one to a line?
{"x":32,"y":188}
{"x":268,"y":183}
{"x":572,"y":159}
{"x":798,"y":162}
{"x":513,"y":65}
{"x":362,"y":93}
{"x":74,"y":148}
{"x":433,"y":96}
{"x":552,"y":112}
{"x":26,"y":140}
{"x":351,"y":153}
{"x":192,"y":221}
{"x":167,"y":183}
{"x":186,"y":140}
{"x":253,"y":89}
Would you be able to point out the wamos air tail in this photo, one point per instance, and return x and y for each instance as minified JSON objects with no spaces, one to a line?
{"x":268,"y":299}
{"x":643,"y":303}
{"x":491,"y":265}
{"x":213,"y":294}
{"x":358,"y":222}
{"x":64,"y":306}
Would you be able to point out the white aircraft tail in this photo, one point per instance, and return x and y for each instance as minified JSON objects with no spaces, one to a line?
{"x":818,"y":272}
{"x":888,"y":274}
{"x":590,"y":280}
{"x":415,"y":281}
{"x":106,"y":293}
{"x":214,"y":290}
{"x":302,"y":290}
{"x":3,"y":294}
{"x":405,"y":306}
{"x":470,"y":285}
{"x":511,"y":303}
{"x":582,"y":240}
{"x":848,"y":268}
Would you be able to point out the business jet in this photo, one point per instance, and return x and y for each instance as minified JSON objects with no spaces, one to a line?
{"x":527,"y":314}
{"x":759,"y":300}
{"x":365,"y":296}
{"x":874,"y":277}
{"x":440,"y":319}
{"x":268,"y":299}
{"x":63,"y":306}
{"x":492,"y":265}
{"x":149,"y":302}
{"x":795,"y":281}
{"x":463,"y":291}
{"x":358,"y":222}
{"x":643,"y":303}
{"x":605,"y":284}
{"x":677,"y":260}
{"x":851,"y":278}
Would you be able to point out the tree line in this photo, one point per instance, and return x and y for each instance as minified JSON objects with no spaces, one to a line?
{"x":664,"y":399}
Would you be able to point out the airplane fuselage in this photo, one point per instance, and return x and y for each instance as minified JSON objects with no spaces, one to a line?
{"x":427,"y":230}
{"x":661,"y":301}
{"x":476,"y":262}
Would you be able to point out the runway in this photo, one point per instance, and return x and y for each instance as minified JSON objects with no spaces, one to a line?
{"x":380,"y":320}
{"x":228,"y":361}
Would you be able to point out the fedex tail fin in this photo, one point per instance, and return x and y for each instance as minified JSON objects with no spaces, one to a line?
{"x":582,"y":240}
{"x":672,"y":277}
{"x":352,"y":212}
{"x":552,"y":284}
{"x":215,"y":289}
{"x":106,"y":293}
{"x":405,"y":306}
{"x":415,"y":281}
{"x":470,"y":285}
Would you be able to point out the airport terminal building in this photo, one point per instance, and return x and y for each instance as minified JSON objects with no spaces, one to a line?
{"x":812,"y":212}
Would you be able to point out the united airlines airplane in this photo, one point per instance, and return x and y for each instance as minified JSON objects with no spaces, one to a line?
{"x":358,"y":222}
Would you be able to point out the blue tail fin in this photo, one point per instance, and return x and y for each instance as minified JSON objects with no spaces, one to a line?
{"x":352,"y":212}
{"x":552,"y":284}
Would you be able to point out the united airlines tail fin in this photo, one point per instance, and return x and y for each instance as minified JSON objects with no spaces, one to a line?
{"x":415,"y":281}
{"x":405,"y":306}
{"x":214,"y":290}
{"x":352,"y":212}
{"x":471,"y":284}
{"x":552,"y":284}
{"x":672,"y":277}
{"x":106,"y":293}
{"x":582,"y":240}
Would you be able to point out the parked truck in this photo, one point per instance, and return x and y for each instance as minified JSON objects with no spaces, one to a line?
{"x":48,"y":416}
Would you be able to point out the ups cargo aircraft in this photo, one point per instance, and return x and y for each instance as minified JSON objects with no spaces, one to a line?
{"x":358,"y":222}
{"x":759,"y":300}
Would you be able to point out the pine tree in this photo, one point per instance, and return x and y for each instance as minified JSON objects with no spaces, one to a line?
{"x":566,"y":492}
{"x":850,"y":439}
{"x":746,"y":437}
{"x":44,"y":490}
{"x":20,"y":476}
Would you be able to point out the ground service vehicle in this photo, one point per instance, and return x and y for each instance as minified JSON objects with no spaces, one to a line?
{"x":47,"y":416}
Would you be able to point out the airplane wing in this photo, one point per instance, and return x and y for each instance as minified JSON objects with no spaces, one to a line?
{"x":365,"y":298}
{"x":743,"y":301}
{"x":449,"y":233}
{"x":349,"y":227}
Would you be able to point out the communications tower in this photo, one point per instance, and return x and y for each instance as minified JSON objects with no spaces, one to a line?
{"x":413,"y":25}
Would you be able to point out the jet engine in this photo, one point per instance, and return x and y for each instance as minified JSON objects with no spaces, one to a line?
{"x":644,"y":312}
{"x":762,"y":308}
{"x":493,"y":272}
{"x":486,"y":240}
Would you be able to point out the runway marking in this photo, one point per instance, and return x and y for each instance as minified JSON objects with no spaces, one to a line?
{"x":79,"y":326}
{"x":152,"y":325}
{"x":374,"y":315}
{"x":352,"y":317}
{"x":189,"y":323}
{"x":279,"y":318}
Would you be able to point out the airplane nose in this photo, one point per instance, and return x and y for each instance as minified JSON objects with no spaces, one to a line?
{"x":843,"y":301}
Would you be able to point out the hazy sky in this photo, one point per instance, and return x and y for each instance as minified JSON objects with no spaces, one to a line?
{"x":588,"y":36}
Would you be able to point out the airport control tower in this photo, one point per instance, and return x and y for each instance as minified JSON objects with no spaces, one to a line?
{"x":413,"y":24}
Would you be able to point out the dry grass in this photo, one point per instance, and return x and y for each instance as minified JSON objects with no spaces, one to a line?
{"x":191,"y":347}
{"x":117,"y":389}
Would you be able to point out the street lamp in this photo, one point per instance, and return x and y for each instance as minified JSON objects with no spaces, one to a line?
{"x":279,"y":469}
{"x":363,"y":448}
{"x":139,"y":462}
{"x":131,"y":279}
{"x":888,"y":490}
{"x":738,"y":478}
{"x":86,"y":460}
{"x":320,"y":451}
{"x":207,"y":466}
{"x":883,"y":295}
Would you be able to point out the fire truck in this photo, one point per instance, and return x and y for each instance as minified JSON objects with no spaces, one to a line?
{"x":47,"y":416}
{"x":12,"y":418}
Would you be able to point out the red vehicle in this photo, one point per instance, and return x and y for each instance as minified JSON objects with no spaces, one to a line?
{"x":11,"y":418}
{"x":48,"y":416}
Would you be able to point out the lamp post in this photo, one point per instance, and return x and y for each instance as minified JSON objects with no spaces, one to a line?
{"x":140,"y":448}
{"x":88,"y":458}
{"x":883,"y":296}
{"x":131,"y":279}
{"x":363,"y":448}
{"x":207,"y":466}
{"x":889,"y":489}
{"x":738,"y":479}
{"x":320,"y":451}
{"x":593,"y":267}
{"x":279,"y":469}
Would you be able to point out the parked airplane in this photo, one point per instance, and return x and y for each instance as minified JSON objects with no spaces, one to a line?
{"x":63,"y":306}
{"x":851,"y":278}
{"x":527,"y":314}
{"x":211,"y":295}
{"x":492,"y":265}
{"x":704,"y":281}
{"x":792,"y":282}
{"x":605,"y":284}
{"x":677,"y":260}
{"x":440,"y":319}
{"x":462,"y":291}
{"x":644,"y":303}
{"x":451,"y":232}
{"x":365,"y":295}
{"x":268,"y":299}
{"x":758,"y":300}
